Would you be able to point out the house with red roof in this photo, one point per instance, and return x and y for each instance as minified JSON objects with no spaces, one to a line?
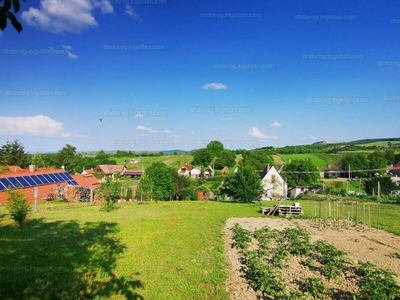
{"x":185,"y":170}
{"x":395,"y":170}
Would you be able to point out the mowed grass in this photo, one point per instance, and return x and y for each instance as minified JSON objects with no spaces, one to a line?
{"x":164,"y":250}
{"x":315,"y":160}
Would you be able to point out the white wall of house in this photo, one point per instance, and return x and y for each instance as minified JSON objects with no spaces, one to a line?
{"x":297,"y":191}
{"x":273,"y":185}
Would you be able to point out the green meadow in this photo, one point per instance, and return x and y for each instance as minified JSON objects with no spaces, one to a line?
{"x":315,"y":160}
{"x":164,"y":250}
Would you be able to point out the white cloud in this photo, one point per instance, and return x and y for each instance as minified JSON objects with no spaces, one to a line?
{"x":276,"y":124}
{"x":60,"y":16}
{"x":32,"y":126}
{"x":255,"y":132}
{"x":68,"y":49}
{"x":129,"y":10}
{"x":175,"y":136}
{"x":226,"y":119}
{"x":214,"y":86}
{"x":312,"y":137}
{"x":138,"y":116}
{"x":143,"y":128}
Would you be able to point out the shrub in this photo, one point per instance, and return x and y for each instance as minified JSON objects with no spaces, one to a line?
{"x":18,"y":208}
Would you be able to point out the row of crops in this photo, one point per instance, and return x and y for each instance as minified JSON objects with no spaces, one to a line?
{"x":327,"y":273}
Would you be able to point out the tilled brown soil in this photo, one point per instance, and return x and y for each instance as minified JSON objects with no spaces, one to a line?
{"x":367,"y":245}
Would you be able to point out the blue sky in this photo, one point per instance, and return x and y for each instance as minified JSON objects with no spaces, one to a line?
{"x":171,"y":74}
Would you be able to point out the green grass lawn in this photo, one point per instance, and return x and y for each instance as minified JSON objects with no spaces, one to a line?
{"x":315,"y":160}
{"x":164,"y":250}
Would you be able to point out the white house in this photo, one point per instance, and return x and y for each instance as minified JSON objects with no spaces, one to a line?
{"x":294,"y":192}
{"x":274,"y":186}
{"x":195,"y":173}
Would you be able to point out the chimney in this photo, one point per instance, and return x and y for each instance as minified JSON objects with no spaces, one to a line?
{"x":32,"y":168}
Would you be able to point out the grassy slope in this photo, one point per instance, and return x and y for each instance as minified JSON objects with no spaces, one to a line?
{"x":315,"y":160}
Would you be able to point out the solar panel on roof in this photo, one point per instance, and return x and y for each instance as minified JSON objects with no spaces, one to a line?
{"x":14,"y":182}
{"x":30,"y":180}
{"x":42,"y":178}
{"x":2,"y":187}
{"x":23,"y":182}
{"x":54,"y":178}
{"x":59,"y":177}
{"x":64,"y":176}
{"x":36,"y":180}
{"x":48,"y":178}
{"x":6,"y":183}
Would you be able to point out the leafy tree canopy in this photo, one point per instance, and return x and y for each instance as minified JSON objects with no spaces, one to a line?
{"x":161,"y":181}
{"x":13,"y":153}
{"x":301,"y":172}
{"x":244,"y":185}
{"x":202,"y":157}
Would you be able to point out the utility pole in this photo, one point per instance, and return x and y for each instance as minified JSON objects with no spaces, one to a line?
{"x":349,"y":172}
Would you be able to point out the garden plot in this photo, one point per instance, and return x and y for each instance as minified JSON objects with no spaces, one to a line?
{"x":298,"y":273}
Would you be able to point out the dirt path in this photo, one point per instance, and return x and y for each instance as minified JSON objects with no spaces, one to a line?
{"x":371,"y":246}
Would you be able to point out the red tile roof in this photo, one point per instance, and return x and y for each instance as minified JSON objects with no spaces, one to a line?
{"x":87,"y":180}
{"x":187,"y":167}
{"x":22,"y":172}
{"x":110,"y":169}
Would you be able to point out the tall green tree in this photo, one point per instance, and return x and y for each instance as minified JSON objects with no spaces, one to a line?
{"x":257,"y":159}
{"x":225,"y":158}
{"x":13,"y":153}
{"x":179,"y":182}
{"x":145,"y":188}
{"x":161,"y":181}
{"x":244,"y":185}
{"x":202,"y":157}
{"x":66,"y":157}
{"x":215,"y":148}
{"x":377,"y":160}
{"x":301,"y":172}
{"x":356,"y":161}
{"x":37,"y":160}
